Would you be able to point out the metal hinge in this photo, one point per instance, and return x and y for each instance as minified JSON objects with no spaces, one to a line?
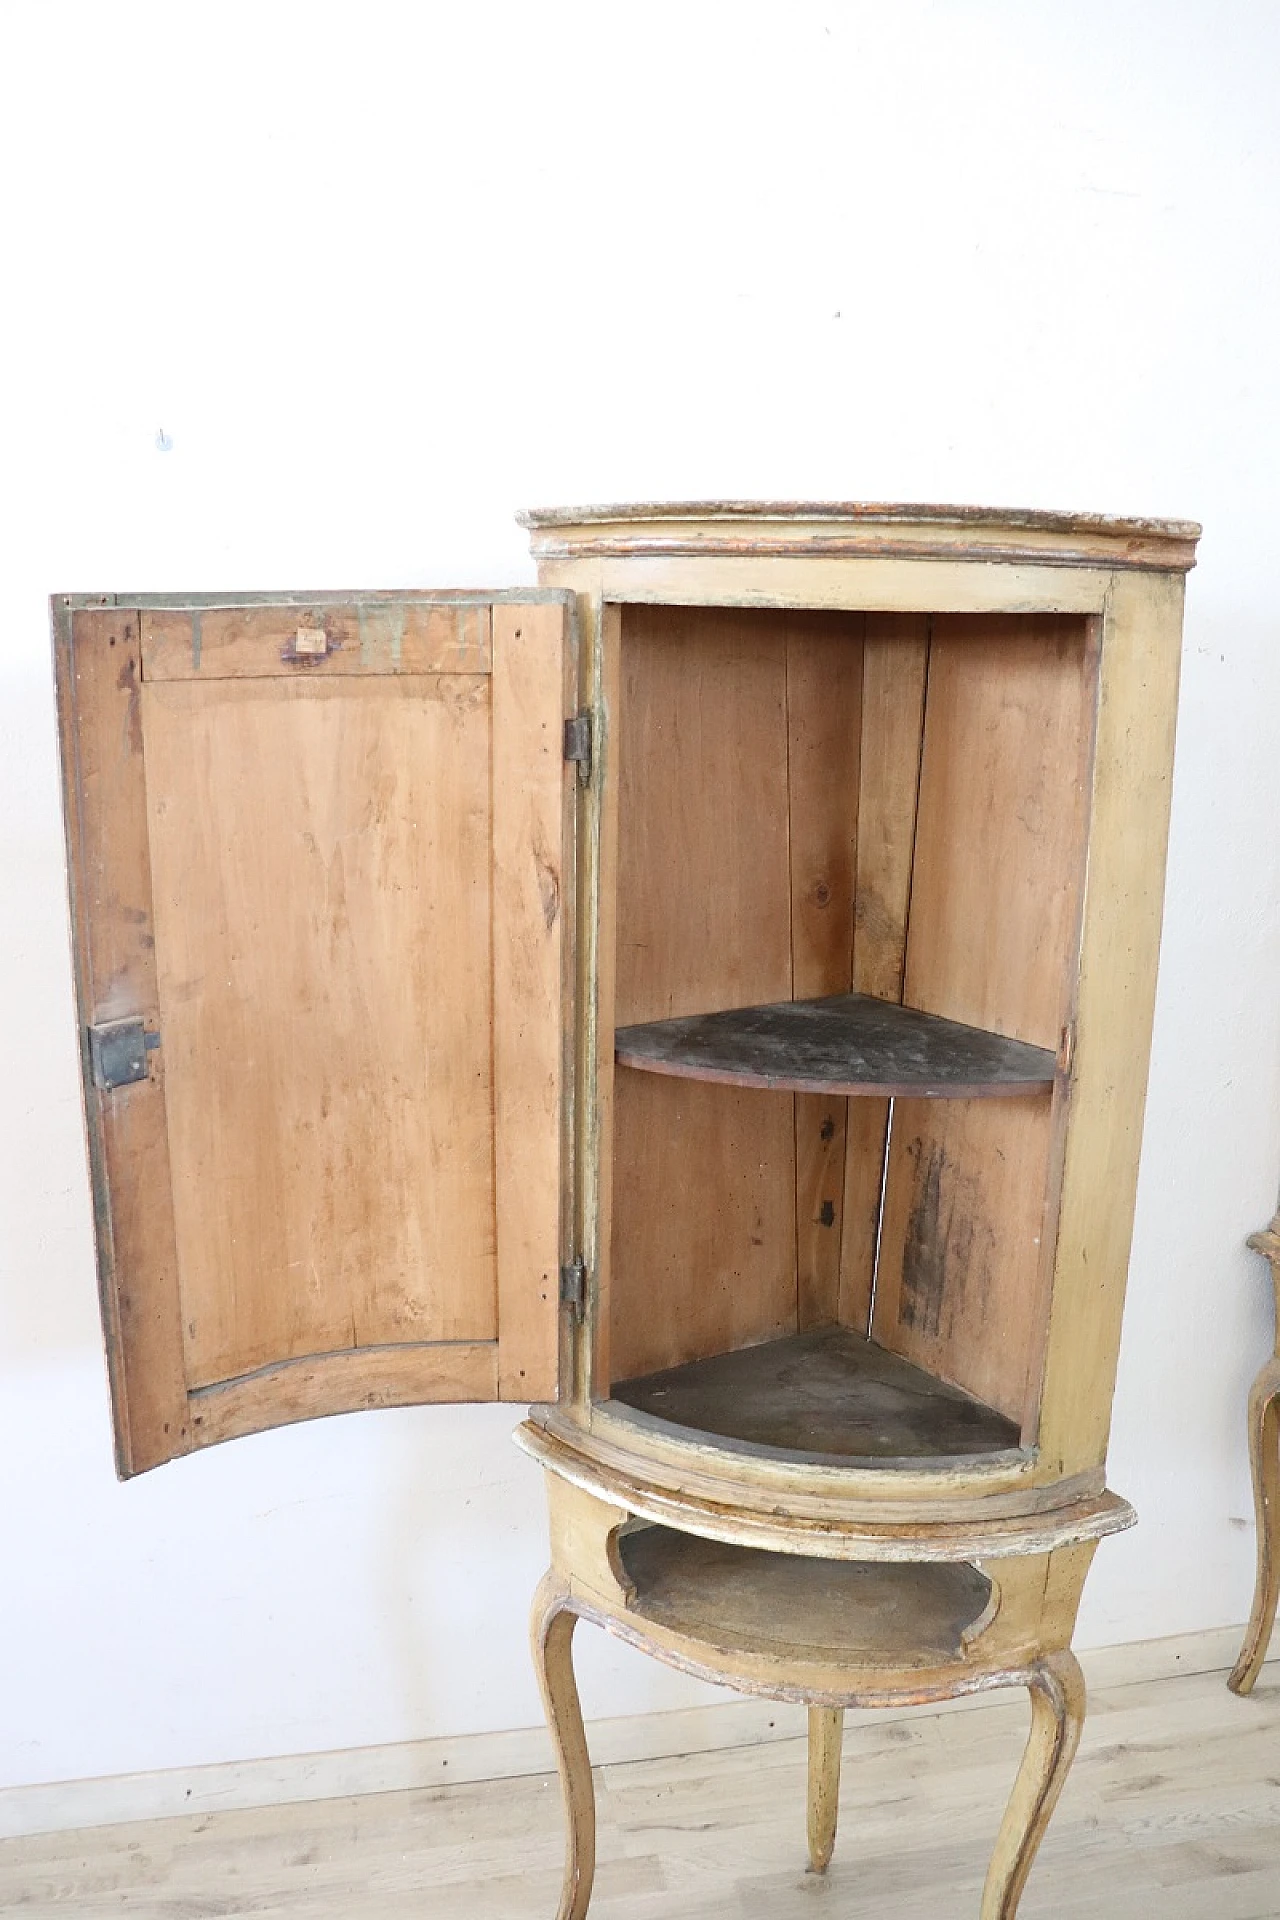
{"x":118,"y":1052}
{"x":573,"y":1287}
{"x":577,"y":744}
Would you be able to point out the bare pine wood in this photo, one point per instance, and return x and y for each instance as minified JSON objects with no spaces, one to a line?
{"x":824,"y":703}
{"x":531,"y":804}
{"x":321,"y":853}
{"x":994,"y":925}
{"x":700,"y":756}
{"x":378,"y":635}
{"x":826,"y":1732}
{"x":588,"y":1357}
{"x":845,"y":1044}
{"x":1264,"y":1460}
{"x":895,"y":665}
{"x":826,"y":1391}
{"x":99,"y":671}
{"x":288,"y":848}
{"x":704,"y":1232}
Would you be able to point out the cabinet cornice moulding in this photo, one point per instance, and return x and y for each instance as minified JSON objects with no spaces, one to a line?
{"x":862,"y":528}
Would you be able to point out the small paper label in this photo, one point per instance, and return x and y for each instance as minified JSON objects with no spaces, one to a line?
{"x":311,"y":640}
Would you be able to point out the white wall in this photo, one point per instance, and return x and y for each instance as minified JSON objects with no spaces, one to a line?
{"x":382,"y":274}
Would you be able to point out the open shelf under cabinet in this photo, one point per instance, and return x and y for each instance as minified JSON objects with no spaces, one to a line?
{"x":783,"y":1605}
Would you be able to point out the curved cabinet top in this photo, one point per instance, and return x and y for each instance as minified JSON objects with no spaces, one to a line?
{"x":830,"y":529}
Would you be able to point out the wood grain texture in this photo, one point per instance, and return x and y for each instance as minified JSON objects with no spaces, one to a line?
{"x":321,"y":855}
{"x":531,"y":803}
{"x":704,"y":1235}
{"x":1168,"y":1811}
{"x":824,"y":706}
{"x":594,"y":1028}
{"x":703,"y":1229}
{"x":99,"y":676}
{"x":379,"y":635}
{"x":895,"y":665}
{"x":346,"y":1382}
{"x":993,"y":935}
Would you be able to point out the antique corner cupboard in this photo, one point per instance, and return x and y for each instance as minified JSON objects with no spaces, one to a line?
{"x":709,"y":996}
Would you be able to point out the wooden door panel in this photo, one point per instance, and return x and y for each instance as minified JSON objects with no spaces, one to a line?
{"x":341,"y":1183}
{"x":326,"y":995}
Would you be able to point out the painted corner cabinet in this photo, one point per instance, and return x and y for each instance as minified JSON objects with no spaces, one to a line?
{"x":707,"y":997}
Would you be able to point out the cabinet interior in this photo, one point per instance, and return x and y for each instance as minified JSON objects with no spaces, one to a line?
{"x":832,"y":1228}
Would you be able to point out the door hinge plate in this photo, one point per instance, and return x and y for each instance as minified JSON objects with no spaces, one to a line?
{"x":118,"y":1052}
{"x":577,"y":744}
{"x":573,"y":1288}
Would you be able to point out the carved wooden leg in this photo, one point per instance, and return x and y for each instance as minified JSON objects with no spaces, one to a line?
{"x":1264,"y":1453}
{"x":1057,"y":1717}
{"x":553,"y":1625}
{"x":826,"y":1731}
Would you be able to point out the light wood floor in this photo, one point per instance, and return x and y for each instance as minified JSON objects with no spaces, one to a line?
{"x":1172,"y":1811}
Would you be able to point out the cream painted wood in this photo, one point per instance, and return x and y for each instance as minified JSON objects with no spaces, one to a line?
{"x":1021,"y":1638}
{"x":1032,"y":1513}
{"x":1168,"y":1811}
{"x":826,"y":1746}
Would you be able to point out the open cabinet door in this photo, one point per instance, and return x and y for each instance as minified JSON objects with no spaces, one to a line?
{"x":320,"y":854}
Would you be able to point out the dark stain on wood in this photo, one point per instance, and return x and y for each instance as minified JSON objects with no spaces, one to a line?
{"x":947,"y":1248}
{"x":845,"y":1043}
{"x":128,"y":681}
{"x":829,"y":1391}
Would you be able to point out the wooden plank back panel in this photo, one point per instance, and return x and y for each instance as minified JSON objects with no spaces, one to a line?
{"x":992,"y":941}
{"x":99,"y":675}
{"x":533,"y":882}
{"x":703,"y":1251}
{"x":824,"y":702}
{"x":374,"y":635}
{"x":895,"y":663}
{"x":320,"y":853}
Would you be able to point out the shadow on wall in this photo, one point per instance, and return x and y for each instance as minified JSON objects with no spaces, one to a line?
{"x":48,"y":1281}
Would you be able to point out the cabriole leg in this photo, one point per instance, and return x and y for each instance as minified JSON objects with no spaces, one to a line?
{"x":552,"y":1633}
{"x":1264,"y":1454}
{"x":1057,"y":1717}
{"x":826,"y":1731}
